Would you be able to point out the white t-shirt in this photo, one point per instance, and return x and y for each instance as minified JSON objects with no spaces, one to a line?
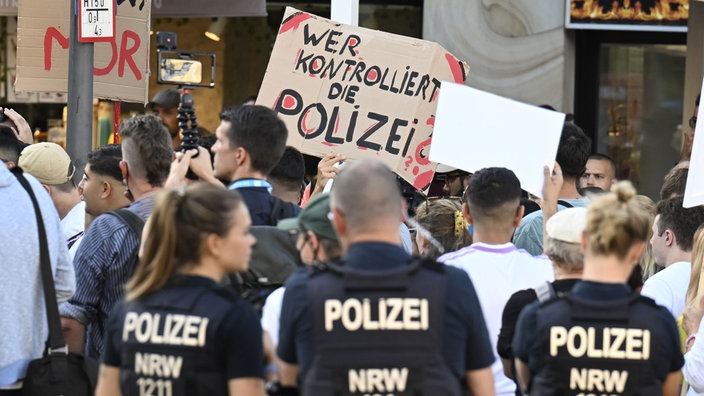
{"x":271,"y":313}
{"x":74,"y":221}
{"x":498,"y":271}
{"x":693,"y":369}
{"x":669,"y":287}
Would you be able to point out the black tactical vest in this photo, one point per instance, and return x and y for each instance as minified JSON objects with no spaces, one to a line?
{"x":169,"y":345}
{"x":598,"y":347}
{"x":379,"y":332}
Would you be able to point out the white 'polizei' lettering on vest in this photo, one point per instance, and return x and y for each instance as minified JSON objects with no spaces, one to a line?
{"x":377,"y":380}
{"x":153,"y":364}
{"x":616,"y":343}
{"x":391,"y":314}
{"x":188,"y":330}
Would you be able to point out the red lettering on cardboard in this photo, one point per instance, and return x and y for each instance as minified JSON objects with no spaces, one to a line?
{"x":130,"y":43}
{"x":52,"y":33}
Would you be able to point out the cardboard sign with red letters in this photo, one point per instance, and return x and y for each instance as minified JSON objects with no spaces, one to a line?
{"x":358,"y":92}
{"x":121,"y":65}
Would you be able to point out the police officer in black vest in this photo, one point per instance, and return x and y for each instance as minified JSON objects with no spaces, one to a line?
{"x":178,"y":332}
{"x":602,"y":338}
{"x":379,"y":321}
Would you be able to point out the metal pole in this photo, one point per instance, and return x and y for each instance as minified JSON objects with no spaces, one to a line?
{"x":79,"y":123}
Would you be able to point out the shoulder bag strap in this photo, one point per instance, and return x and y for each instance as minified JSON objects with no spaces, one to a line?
{"x":564,"y":203}
{"x":56,"y":337}
{"x":133,"y":221}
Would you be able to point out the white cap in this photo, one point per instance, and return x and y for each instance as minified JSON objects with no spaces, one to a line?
{"x":567,"y":225}
{"x":442,"y":168}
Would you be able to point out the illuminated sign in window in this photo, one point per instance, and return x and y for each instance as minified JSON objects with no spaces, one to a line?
{"x":651,"y":15}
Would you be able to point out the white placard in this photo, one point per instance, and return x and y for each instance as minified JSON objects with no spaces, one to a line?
{"x":694,"y":189}
{"x":345,"y":11}
{"x":96,"y":20}
{"x":476,"y":129}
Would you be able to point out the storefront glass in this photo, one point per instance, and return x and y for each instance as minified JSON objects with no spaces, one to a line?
{"x":640,"y":110}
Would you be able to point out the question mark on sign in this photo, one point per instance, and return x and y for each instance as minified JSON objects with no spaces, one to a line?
{"x":408,"y":162}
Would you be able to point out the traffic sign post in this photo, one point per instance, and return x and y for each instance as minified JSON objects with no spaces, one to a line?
{"x":96,"y":20}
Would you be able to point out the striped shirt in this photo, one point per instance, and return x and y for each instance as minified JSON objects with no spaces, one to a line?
{"x":102,"y":271}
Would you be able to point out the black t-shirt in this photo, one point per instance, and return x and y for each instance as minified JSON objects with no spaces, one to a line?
{"x":513,"y":308}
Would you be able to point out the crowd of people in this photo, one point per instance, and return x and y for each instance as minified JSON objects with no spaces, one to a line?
{"x":175,"y":283}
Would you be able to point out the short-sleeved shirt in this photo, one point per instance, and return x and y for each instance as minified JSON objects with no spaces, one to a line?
{"x":466,"y":345}
{"x":513,"y":308}
{"x":102,"y":271}
{"x":527,"y":346}
{"x":498,"y":271}
{"x":669,"y":287}
{"x":239,"y":336}
{"x":529,"y":234}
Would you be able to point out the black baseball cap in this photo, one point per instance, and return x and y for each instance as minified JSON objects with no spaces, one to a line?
{"x":166,"y":99}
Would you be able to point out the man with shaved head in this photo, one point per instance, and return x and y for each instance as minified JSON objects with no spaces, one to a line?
{"x":379,"y":320}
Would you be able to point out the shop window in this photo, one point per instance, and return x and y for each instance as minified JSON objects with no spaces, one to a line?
{"x":639,"y":112}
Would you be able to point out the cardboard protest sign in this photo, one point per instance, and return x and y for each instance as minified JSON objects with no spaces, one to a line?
{"x":358,"y":92}
{"x":476,"y":129}
{"x":121,"y":69}
{"x":694,"y":189}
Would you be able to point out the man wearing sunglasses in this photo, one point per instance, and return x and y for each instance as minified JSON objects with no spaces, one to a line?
{"x":456,"y":180}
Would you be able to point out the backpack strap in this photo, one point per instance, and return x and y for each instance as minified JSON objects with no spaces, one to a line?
{"x":135,"y":224}
{"x":564,"y":203}
{"x":131,"y":219}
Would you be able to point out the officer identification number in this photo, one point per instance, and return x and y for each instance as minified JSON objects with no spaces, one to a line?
{"x":152,"y":387}
{"x":163,"y":367}
{"x":382,"y":314}
{"x":606,"y":343}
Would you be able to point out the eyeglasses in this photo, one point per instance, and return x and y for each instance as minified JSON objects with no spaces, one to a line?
{"x":450,"y":177}
{"x":693,"y":122}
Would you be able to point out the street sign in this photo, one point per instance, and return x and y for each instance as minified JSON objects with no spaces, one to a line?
{"x":96,"y":20}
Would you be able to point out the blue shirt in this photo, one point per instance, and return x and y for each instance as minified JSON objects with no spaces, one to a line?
{"x":466,"y":345}
{"x":529,"y":234}
{"x":101,"y":272}
{"x":257,"y":196}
